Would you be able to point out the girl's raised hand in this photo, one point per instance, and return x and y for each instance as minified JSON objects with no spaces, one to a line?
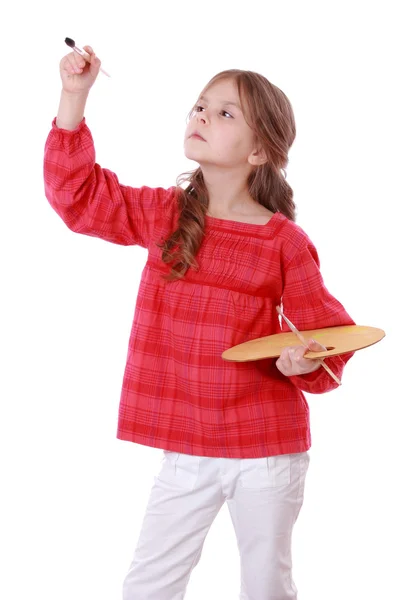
{"x":77,"y":75}
{"x":292,"y":361}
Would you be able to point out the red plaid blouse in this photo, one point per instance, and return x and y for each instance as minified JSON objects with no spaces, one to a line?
{"x":178,"y":393}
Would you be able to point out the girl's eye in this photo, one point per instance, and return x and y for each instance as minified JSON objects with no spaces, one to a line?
{"x":223,"y":111}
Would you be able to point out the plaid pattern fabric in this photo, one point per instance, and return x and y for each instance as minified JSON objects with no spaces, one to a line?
{"x":177,"y":392}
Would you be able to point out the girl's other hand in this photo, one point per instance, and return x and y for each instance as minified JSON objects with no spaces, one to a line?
{"x":292,"y":362}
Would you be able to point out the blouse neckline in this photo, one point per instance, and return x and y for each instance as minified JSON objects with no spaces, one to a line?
{"x":247,"y":228}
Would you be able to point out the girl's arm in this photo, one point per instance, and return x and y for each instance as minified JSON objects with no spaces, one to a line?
{"x":309,"y":305}
{"x":89,"y":198}
{"x":71,"y":109}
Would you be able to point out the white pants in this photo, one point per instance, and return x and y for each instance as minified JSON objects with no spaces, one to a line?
{"x":264,"y":497}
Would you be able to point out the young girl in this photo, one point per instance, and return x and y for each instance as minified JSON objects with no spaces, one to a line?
{"x":222,"y":254}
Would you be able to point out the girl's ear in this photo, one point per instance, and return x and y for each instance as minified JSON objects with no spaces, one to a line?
{"x":258,"y":157}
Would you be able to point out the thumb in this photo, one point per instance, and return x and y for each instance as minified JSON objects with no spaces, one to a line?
{"x":315,"y":346}
{"x":89,"y":50}
{"x":94,"y":61}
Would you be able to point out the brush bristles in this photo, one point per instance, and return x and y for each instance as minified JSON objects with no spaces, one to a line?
{"x":69,"y":42}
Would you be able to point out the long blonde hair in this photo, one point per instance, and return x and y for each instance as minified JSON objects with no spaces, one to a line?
{"x":269,"y":114}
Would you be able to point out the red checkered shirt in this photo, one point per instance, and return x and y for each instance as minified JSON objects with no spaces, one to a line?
{"x":178,"y":394}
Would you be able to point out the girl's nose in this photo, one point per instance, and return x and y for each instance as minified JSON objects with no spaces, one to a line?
{"x":201,"y":117}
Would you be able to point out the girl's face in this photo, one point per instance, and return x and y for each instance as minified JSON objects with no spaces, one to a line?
{"x":218,"y":118}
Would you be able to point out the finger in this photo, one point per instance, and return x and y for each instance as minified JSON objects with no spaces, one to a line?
{"x":93,"y":57}
{"x":290,"y":360}
{"x":293,"y":353}
{"x":283,"y":367}
{"x":283,"y":363}
{"x":77,"y":66}
{"x":286,"y":355}
{"x":74,"y":63}
{"x":79,"y":63}
{"x":298,"y":353}
{"x":70,"y":66}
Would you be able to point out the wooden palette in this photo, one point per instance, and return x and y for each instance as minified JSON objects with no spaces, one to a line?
{"x":337,"y":340}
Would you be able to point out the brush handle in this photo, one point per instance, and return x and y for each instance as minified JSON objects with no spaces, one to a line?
{"x":331,"y":373}
{"x":88,"y":58}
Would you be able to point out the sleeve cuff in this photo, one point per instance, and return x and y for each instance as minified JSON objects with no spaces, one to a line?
{"x":319,"y":381}
{"x":68,"y":131}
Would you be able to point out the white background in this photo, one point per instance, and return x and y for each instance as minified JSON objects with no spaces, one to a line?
{"x":72,"y":495}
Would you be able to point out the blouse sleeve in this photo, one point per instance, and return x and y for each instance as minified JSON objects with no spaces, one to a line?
{"x":308,"y":305}
{"x":90,"y":199}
